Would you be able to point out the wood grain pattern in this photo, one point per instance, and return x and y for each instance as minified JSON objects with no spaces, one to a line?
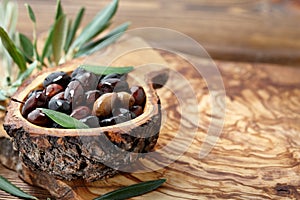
{"x":244,"y":30}
{"x":257,"y":155}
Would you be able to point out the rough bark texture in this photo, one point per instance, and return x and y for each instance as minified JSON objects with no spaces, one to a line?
{"x":90,"y":154}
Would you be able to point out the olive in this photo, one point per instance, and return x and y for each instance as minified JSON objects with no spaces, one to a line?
{"x":139,"y":95}
{"x":122,"y":86}
{"x":104,"y":104}
{"x":60,"y":95}
{"x":91,"y":97}
{"x":124,"y":100}
{"x":37,"y":117}
{"x":36,"y":99}
{"x":91,"y":121}
{"x":108,"y":122}
{"x":124,"y":117}
{"x":105,"y":87}
{"x":60,"y":105}
{"x":77,"y":71}
{"x":74,"y":93}
{"x":52,"y":90}
{"x":80,"y":112}
{"x":118,"y":111}
{"x":88,"y":80}
{"x":137,"y":110}
{"x":60,"y":78}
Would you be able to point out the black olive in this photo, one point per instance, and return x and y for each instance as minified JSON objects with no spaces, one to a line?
{"x":60,"y":105}
{"x":91,"y":121}
{"x":81,"y":112}
{"x":60,"y":78}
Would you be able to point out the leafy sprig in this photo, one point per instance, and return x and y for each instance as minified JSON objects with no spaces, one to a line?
{"x":122,"y":193}
{"x":61,"y":43}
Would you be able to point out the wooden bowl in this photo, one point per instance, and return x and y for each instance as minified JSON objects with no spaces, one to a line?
{"x":91,"y":154}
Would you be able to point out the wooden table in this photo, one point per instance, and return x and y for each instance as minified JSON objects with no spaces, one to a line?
{"x":243,"y":30}
{"x":257,"y":154}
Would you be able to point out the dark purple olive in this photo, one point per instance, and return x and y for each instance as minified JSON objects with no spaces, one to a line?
{"x":81,"y":112}
{"x":77,"y":71}
{"x":137,"y":110}
{"x":60,"y":78}
{"x":122,"y":86}
{"x":138,"y":94}
{"x":60,"y":95}
{"x":37,"y":117}
{"x":88,"y":80}
{"x":91,"y":121}
{"x":60,"y":105}
{"x":105,"y":88}
{"x":74,"y":93}
{"x":52,"y":90}
{"x":37,"y":99}
{"x":91,"y":96}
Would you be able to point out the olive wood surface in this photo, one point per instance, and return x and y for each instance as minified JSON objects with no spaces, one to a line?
{"x":256,"y":157}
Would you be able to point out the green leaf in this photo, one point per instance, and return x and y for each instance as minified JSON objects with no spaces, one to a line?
{"x":74,"y":28}
{"x":133,"y":190}
{"x":31,"y":13}
{"x":59,"y":38}
{"x":13,"y":51}
{"x":104,"y":70}
{"x":59,"y":10}
{"x":47,"y":47}
{"x":8,"y":187}
{"x":25,"y":74}
{"x":26,"y":46}
{"x":103,"y":42}
{"x":64,"y":120}
{"x":96,"y":25}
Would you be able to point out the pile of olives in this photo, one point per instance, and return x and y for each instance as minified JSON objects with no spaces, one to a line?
{"x":96,"y":100}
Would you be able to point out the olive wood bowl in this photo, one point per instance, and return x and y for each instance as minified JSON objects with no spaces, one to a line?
{"x":90,"y":154}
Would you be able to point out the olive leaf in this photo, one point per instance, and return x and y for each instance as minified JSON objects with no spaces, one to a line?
{"x":13,"y":51}
{"x":98,"y":24}
{"x":103,"y":42}
{"x":59,"y":37}
{"x":64,"y":120}
{"x":31,"y":13}
{"x":8,"y":187}
{"x":133,"y":190}
{"x":26,"y":46}
{"x":25,"y":74}
{"x":104,"y":70}
{"x":59,"y":10}
{"x":73,"y":29}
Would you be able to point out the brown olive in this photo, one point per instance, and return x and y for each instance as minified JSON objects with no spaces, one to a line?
{"x":88,"y":80}
{"x":37,"y":117}
{"x":52,"y":90}
{"x":124,"y":100}
{"x":104,"y":104}
{"x":137,"y":110}
{"x":74,"y":93}
{"x":91,"y":97}
{"x":37,"y":99}
{"x":60,"y":78}
{"x":139,"y":95}
{"x":80,"y":112}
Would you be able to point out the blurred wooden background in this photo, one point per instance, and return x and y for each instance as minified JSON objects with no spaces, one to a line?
{"x":239,"y":30}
